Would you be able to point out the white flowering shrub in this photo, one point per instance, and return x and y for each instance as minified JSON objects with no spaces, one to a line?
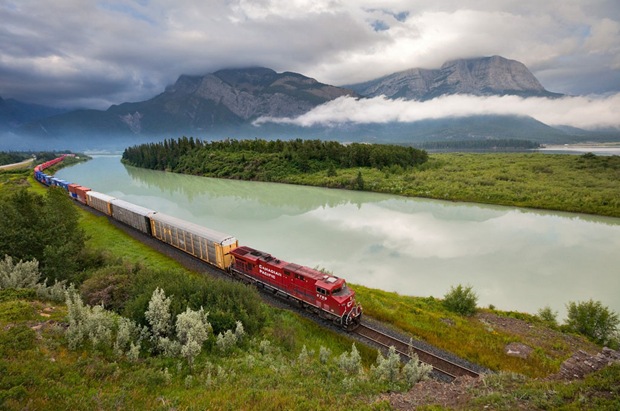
{"x":303,"y":356}
{"x":19,"y":275}
{"x":324,"y":354}
{"x":239,"y":331}
{"x":158,"y":314}
{"x":415,"y":371}
{"x":350,"y":362}
{"x":193,"y":329}
{"x":226,"y":341}
{"x":87,"y":323}
{"x":76,"y":314}
{"x":264,"y":347}
{"x":54,"y":292}
{"x":387,"y":368}
{"x":128,"y":338}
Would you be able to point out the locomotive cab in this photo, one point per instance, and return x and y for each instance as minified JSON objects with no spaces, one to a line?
{"x":325,"y":295}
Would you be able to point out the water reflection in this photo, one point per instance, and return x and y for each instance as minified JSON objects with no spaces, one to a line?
{"x":514,"y":258}
{"x":293,"y":199}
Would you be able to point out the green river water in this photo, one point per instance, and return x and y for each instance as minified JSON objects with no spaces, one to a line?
{"x":515,"y":259}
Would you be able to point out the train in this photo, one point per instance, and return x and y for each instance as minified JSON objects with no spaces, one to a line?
{"x":325,"y":295}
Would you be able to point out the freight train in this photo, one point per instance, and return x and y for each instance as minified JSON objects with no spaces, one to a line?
{"x":327,"y":296}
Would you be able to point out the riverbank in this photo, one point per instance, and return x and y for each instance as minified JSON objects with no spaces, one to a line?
{"x":580,"y":184}
{"x":584,"y":183}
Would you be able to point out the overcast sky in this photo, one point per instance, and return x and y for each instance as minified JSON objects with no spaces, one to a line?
{"x":93,"y":53}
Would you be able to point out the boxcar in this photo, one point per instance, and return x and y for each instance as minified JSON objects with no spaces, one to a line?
{"x":131,"y":214}
{"x":72,"y":191}
{"x":80,"y":192}
{"x":208,"y":245}
{"x":99,"y":201}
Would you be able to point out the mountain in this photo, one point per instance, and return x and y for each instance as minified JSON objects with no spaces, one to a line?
{"x":14,"y":113}
{"x":481,"y":76}
{"x":223,"y":99}
{"x":224,"y":104}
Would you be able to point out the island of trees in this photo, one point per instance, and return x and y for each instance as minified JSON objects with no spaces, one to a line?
{"x":274,"y":160}
{"x":575,"y":183}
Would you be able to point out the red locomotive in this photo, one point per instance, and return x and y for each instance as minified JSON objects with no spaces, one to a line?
{"x":325,"y":295}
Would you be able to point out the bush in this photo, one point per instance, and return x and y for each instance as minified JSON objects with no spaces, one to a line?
{"x":18,"y":275}
{"x":461,"y":300}
{"x":548,"y":316}
{"x":592,"y":319}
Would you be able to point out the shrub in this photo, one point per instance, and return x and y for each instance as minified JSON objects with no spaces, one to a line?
{"x":86,"y":322}
{"x":226,"y":341}
{"x":159,"y":317}
{"x":193,"y":329}
{"x":324,"y":354}
{"x":415,"y":371}
{"x":592,"y":319}
{"x":388,"y":368}
{"x":18,"y":275}
{"x":548,"y":316}
{"x":350,"y":363}
{"x":461,"y":300}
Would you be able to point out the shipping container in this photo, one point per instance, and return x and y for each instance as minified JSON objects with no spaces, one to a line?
{"x":81,"y":193}
{"x":201,"y":242}
{"x":133,"y":215}
{"x":72,"y":191}
{"x":62,"y":184}
{"x":99,"y":201}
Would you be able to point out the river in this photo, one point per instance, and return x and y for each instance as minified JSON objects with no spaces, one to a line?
{"x":515,"y":259}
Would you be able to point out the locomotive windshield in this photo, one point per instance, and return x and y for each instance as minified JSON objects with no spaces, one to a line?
{"x":341,"y":291}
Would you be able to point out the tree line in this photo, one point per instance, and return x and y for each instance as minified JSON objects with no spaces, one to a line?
{"x":255,"y":157}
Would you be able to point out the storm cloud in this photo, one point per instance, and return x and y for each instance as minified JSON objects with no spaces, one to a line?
{"x":93,"y":53}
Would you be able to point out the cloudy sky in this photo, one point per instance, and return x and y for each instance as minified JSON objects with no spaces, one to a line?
{"x":93,"y":53}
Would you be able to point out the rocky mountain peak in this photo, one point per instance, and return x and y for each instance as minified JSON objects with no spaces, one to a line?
{"x":229,"y":96}
{"x":247,"y":77}
{"x":493,"y":75}
{"x":486,"y":75}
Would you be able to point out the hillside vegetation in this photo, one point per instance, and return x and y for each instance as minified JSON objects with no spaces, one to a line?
{"x":122,"y":336}
{"x":581,"y":184}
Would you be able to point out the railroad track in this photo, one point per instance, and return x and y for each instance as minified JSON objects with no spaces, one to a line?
{"x":440,"y":365}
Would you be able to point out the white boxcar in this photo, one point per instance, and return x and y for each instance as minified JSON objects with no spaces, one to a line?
{"x":201,"y":242}
{"x":99,"y":201}
{"x":131,"y":214}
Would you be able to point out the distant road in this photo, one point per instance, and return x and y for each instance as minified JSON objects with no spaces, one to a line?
{"x":13,"y":166}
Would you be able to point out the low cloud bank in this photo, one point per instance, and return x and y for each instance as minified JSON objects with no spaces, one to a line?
{"x":588,"y":112}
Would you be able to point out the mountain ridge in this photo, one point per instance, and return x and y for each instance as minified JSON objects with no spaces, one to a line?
{"x":480,"y":76}
{"x":226,"y":102}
